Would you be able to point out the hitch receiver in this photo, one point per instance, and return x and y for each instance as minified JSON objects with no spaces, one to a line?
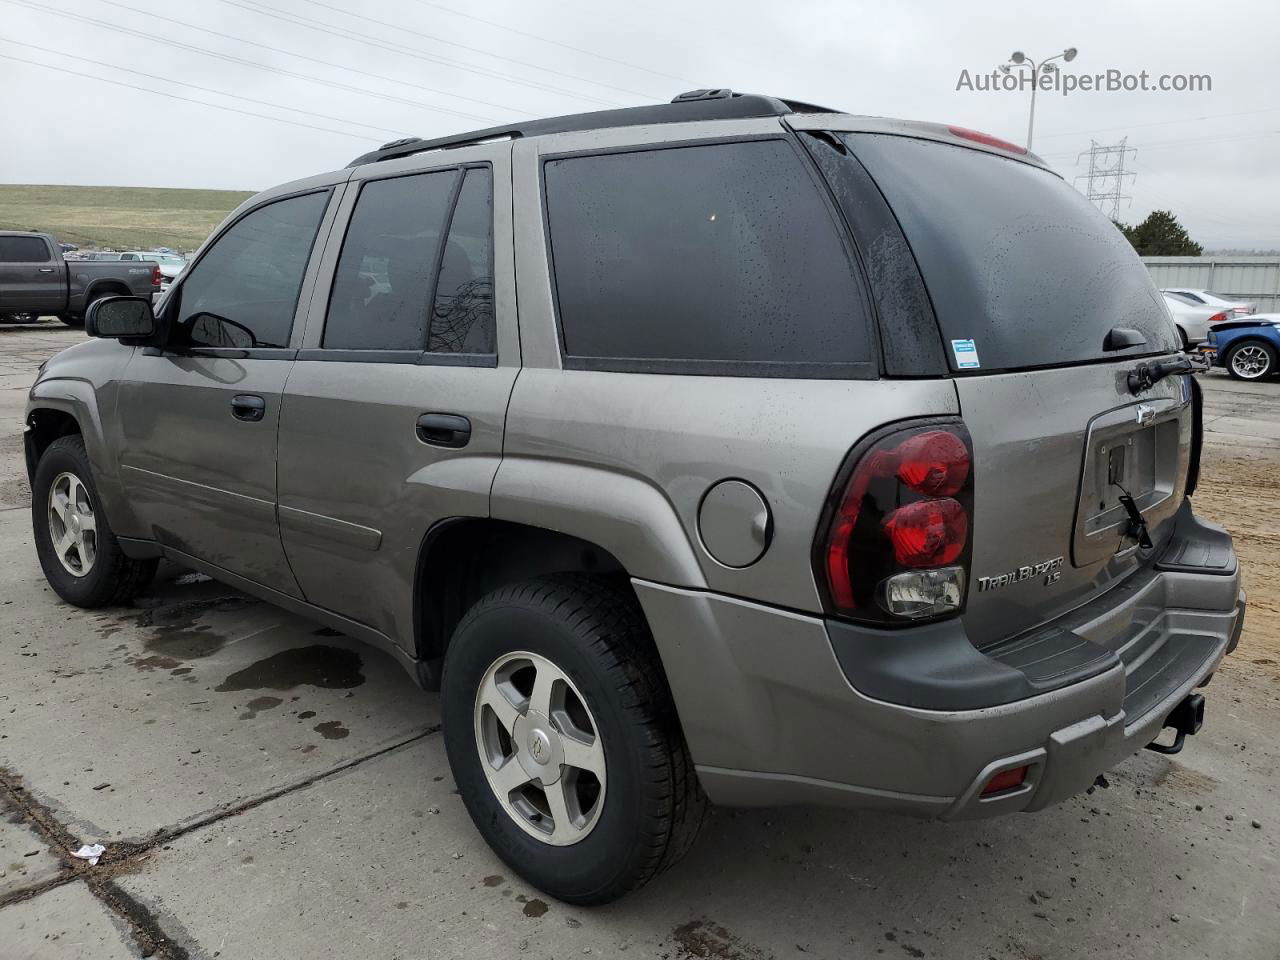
{"x":1186,"y":719}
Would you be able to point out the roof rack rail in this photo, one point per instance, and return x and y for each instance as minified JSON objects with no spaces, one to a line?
{"x":709,"y":104}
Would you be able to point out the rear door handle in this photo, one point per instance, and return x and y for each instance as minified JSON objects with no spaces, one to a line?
{"x":246,"y":406}
{"x":444,"y":430}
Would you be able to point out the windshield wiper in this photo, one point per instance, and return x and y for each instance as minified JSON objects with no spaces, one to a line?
{"x":1146,"y":375}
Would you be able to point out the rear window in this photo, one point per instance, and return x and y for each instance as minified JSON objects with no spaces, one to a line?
{"x":1022,"y":270}
{"x":702,"y":259}
{"x":23,"y":250}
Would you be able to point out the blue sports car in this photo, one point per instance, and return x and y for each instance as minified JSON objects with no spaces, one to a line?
{"x":1249,"y":349}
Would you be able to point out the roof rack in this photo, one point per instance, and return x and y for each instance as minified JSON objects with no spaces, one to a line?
{"x":710,"y":104}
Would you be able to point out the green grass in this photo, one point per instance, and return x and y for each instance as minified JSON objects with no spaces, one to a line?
{"x":123,"y":218}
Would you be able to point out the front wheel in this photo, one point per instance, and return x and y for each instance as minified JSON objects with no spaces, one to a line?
{"x":1250,"y":360}
{"x":78,"y":552}
{"x":564,"y":741}
{"x":71,"y":321}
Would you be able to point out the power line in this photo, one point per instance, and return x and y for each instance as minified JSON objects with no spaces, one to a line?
{"x":196,"y":86}
{"x":1159,"y":144}
{"x":462,"y":46}
{"x":1157,"y":123}
{"x":558,"y":43}
{"x":174,"y":96}
{"x":243,"y":62}
{"x":325,"y":63}
{"x":319,"y":26}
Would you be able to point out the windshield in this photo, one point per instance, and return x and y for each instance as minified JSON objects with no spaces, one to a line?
{"x":1022,"y":270}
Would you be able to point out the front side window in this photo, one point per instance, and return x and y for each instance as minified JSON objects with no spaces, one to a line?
{"x":703,"y":255}
{"x":23,"y":250}
{"x":244,"y":290}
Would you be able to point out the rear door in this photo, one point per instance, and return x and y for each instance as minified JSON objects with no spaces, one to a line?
{"x":1027,"y":281}
{"x":393,"y":415}
{"x":199,"y":417}
{"x":32,"y":278}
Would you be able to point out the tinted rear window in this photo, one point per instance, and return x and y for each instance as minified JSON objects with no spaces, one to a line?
{"x":1014,"y":259}
{"x":694,"y":258}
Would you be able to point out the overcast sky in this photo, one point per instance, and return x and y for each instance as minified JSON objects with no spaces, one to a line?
{"x":433,"y":67}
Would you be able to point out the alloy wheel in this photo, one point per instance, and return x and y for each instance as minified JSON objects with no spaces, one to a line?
{"x":73,"y":528}
{"x":1251,"y":362}
{"x":540,"y":748}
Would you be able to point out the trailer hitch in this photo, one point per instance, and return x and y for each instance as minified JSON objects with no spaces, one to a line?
{"x":1186,"y":719}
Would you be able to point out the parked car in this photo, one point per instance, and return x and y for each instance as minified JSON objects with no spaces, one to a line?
{"x":1248,"y":348}
{"x":727,"y":450}
{"x":1207,"y":298}
{"x":170,"y":264}
{"x":1192,"y":320}
{"x":35,"y":279}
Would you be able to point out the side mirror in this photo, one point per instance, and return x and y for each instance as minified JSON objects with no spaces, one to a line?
{"x":120,"y":318}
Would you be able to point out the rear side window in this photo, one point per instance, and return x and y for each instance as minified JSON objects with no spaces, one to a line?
{"x":383,"y":281}
{"x":707,"y":259}
{"x":244,"y":290}
{"x":23,"y":250}
{"x":462,"y":312}
{"x":1014,"y":259}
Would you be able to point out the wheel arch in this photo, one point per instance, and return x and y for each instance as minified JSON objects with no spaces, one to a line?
{"x":463,"y":558}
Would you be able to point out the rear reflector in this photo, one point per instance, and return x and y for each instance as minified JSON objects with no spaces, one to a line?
{"x":1005,"y":780}
{"x":986,"y":139}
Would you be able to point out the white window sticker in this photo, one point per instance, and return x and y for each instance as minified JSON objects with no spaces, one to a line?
{"x":966,"y":354}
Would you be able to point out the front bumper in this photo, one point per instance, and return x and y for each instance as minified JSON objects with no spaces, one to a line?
{"x":772,"y":717}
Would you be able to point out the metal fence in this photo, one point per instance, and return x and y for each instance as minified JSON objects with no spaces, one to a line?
{"x":1256,"y":279}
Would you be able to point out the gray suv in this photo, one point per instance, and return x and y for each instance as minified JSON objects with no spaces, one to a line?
{"x":731,"y":450}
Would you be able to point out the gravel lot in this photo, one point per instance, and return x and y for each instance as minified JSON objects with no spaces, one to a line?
{"x":267,"y":789}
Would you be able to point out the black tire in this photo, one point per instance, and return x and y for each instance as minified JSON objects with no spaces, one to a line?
{"x":1268,"y":359}
{"x":112,"y":578}
{"x":71,"y":321}
{"x":1183,"y":341}
{"x":653,"y":805}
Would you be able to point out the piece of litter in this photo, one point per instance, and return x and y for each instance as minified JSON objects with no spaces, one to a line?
{"x":90,"y":852}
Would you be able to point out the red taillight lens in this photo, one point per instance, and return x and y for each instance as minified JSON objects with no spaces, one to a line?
{"x":904,"y":507}
{"x":934,"y":463}
{"x":156,"y":275}
{"x":1218,"y":317}
{"x":928,"y":533}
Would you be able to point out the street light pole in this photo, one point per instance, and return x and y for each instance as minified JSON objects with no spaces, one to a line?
{"x":1020,"y":59}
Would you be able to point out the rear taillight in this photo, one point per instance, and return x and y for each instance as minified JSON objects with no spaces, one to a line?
{"x":156,"y":275}
{"x":895,"y":545}
{"x":1219,"y":317}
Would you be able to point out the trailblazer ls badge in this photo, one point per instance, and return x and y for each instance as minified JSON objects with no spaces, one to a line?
{"x":1051,"y":570}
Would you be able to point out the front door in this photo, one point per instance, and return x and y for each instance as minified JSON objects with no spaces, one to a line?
{"x":393,"y":415}
{"x":32,"y":279}
{"x":199,"y":415}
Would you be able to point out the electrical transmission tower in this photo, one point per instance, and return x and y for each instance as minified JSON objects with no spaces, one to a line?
{"x":1104,"y":183}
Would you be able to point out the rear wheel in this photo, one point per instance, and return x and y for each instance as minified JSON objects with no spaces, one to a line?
{"x":564,"y":741}
{"x":1251,"y":360}
{"x":78,"y":552}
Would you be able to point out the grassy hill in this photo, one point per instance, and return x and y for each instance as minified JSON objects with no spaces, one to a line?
{"x":124,"y":218}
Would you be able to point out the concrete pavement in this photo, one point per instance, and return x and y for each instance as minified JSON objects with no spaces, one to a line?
{"x":267,"y":789}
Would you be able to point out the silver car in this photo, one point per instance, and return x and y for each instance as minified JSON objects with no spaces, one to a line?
{"x":730,"y":450}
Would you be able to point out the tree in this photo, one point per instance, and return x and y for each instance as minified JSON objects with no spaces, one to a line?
{"x":1160,"y":235}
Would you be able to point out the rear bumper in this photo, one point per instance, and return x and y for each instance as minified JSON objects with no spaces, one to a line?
{"x":774,"y":714}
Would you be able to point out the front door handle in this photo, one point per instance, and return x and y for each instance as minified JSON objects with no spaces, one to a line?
{"x":46,"y":269}
{"x":444,"y":430}
{"x":246,"y":406}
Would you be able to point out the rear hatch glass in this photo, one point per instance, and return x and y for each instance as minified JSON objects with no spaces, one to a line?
{"x":1027,"y":279}
{"x":1020,"y":267}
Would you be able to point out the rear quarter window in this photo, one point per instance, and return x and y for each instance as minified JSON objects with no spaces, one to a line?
{"x":712,"y":258}
{"x":1013,"y":258}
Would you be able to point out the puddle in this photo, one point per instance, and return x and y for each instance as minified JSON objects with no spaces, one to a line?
{"x":493,"y":880}
{"x":157,"y":662}
{"x":331,"y":668}
{"x":332,"y":730}
{"x":258,"y":704}
{"x":535,"y":908}
{"x":177,"y":635}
